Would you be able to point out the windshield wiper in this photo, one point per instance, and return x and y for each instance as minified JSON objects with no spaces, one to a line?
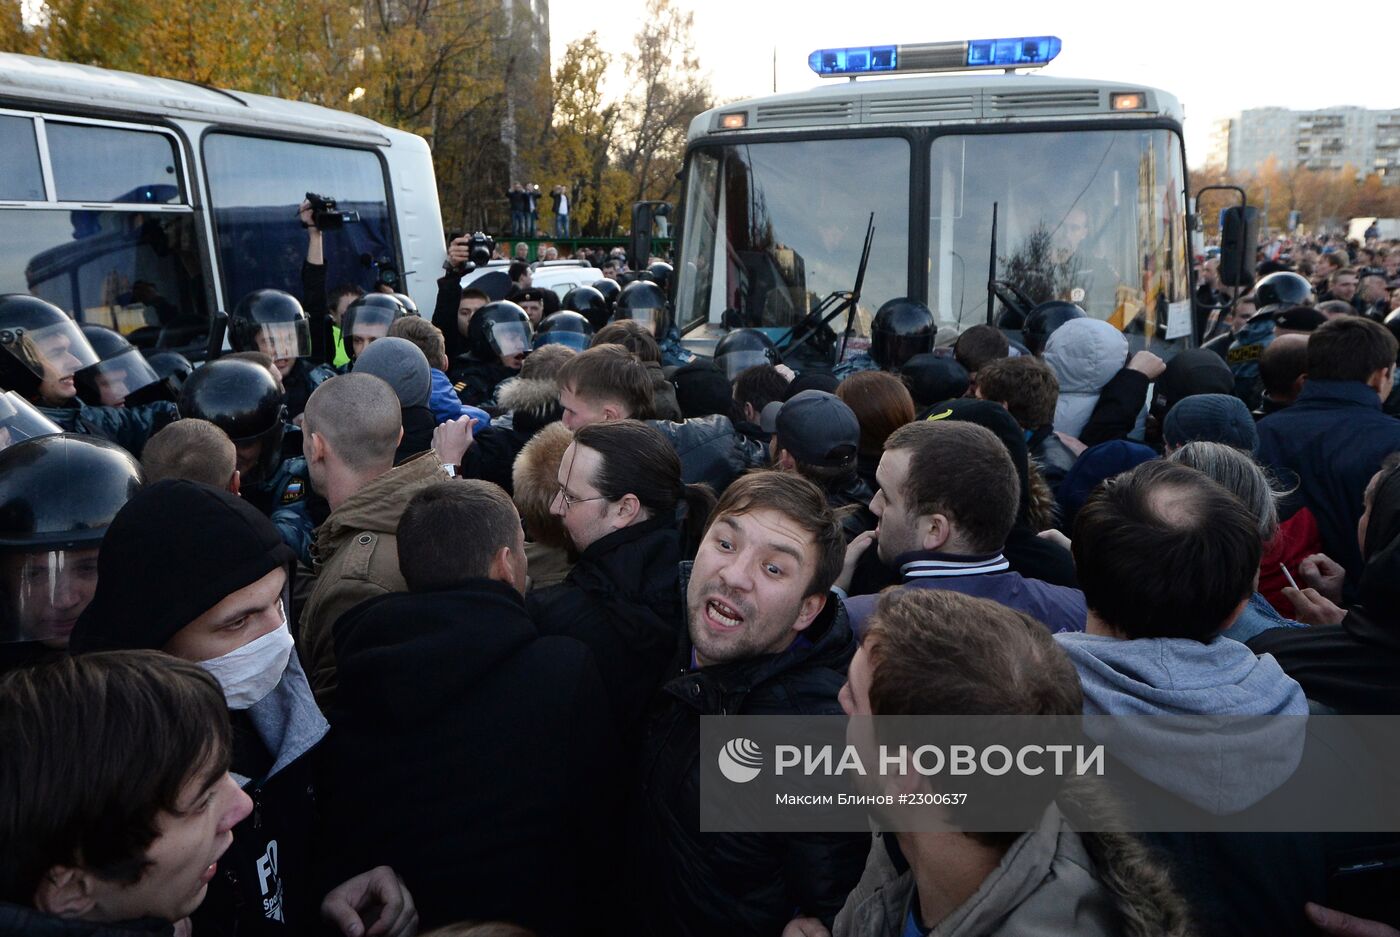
{"x":835,"y":303}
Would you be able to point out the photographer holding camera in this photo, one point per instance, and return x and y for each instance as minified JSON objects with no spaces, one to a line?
{"x":314,"y":212}
{"x":454,"y":307}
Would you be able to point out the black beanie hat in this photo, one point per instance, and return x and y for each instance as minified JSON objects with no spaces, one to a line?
{"x":173,"y":552}
{"x":702,"y":389}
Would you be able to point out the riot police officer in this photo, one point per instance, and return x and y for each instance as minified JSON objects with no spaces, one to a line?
{"x":565,"y":328}
{"x":41,"y":351}
{"x":243,"y":400}
{"x":120,"y":370}
{"x":367,"y":319}
{"x":742,"y":349}
{"x":273,"y":322}
{"x":589,"y":303}
{"x":1043,"y":320}
{"x":610,"y":291}
{"x":661,"y":274}
{"x":901,"y":329}
{"x":1272,"y":295}
{"x":58,"y":494}
{"x":643,"y":302}
{"x":498,"y":338}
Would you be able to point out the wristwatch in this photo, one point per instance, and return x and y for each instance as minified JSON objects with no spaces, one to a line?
{"x":451,"y":471}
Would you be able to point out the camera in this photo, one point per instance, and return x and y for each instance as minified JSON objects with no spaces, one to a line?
{"x":480,"y":248}
{"x":326,"y":216}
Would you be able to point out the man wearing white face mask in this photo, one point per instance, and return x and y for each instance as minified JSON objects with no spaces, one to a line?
{"x":217,"y":595}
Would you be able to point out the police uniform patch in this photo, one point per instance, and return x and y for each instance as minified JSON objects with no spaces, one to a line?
{"x":293,"y":493}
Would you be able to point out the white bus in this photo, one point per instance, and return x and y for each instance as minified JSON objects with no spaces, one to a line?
{"x":1086,"y":181}
{"x":146,"y":204}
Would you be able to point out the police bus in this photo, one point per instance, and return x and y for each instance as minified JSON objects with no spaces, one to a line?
{"x":146,"y":204}
{"x":1041,"y":187}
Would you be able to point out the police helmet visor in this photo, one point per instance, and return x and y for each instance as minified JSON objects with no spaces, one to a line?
{"x":652,"y":317}
{"x":283,"y":340}
{"x":20,"y":421}
{"x":51,"y":352}
{"x":575,"y":340}
{"x":108,"y":383}
{"x":735,"y":363}
{"x":508,"y":338}
{"x":42,"y":593}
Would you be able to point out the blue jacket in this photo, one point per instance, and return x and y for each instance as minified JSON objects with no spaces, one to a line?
{"x":446,"y":405}
{"x":1258,"y":616}
{"x":985,"y":577}
{"x":1329,"y":444}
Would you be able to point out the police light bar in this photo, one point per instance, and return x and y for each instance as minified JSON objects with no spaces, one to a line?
{"x":1022,"y":52}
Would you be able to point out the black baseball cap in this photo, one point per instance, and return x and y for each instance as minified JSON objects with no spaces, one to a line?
{"x":816,"y":427}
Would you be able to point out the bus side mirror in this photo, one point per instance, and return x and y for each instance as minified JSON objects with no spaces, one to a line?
{"x":1239,"y":237}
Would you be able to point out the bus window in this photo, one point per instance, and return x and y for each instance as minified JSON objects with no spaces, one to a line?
{"x":94,"y":163}
{"x":255,"y":186}
{"x":22,"y":180}
{"x":136,"y":272}
{"x":1093,"y":217}
{"x":783,"y":223}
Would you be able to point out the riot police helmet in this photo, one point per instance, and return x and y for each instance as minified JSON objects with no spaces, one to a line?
{"x":589,"y":303}
{"x":1281,"y":290}
{"x":565,"y":328}
{"x":1044,"y":319}
{"x":58,"y":495}
{"x":902,"y":328}
{"x":661,"y":274}
{"x":120,"y":371}
{"x":172,"y":370}
{"x":242,"y":399}
{"x":406,"y":301}
{"x":742,"y":349}
{"x":499,"y":330}
{"x":643,"y":302}
{"x":367,"y":319}
{"x":610,"y":290}
{"x":41,"y":349}
{"x":272,"y":322}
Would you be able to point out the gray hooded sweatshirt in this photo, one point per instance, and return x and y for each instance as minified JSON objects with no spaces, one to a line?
{"x":1084,"y":354}
{"x":1222,"y":772}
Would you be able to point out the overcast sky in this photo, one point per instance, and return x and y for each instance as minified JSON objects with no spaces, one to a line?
{"x":1217,"y":59}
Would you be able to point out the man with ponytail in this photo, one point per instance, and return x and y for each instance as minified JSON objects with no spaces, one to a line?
{"x":632,"y":520}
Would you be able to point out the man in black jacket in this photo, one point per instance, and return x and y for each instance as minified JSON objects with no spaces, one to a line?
{"x":619,"y":490}
{"x":218,"y":597}
{"x":475,"y":753}
{"x":765,"y":638}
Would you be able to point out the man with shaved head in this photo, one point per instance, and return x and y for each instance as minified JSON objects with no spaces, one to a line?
{"x":351,"y":426}
{"x":193,"y":450}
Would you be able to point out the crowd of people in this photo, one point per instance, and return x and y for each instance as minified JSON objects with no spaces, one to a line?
{"x":424,"y":640}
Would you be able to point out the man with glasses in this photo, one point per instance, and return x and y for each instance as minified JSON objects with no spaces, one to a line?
{"x":619,"y":489}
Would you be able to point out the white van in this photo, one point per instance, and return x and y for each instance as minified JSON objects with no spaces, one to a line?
{"x":146,"y":204}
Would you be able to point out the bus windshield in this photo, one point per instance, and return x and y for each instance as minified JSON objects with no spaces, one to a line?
{"x":784,"y":223}
{"x":1094,"y":217}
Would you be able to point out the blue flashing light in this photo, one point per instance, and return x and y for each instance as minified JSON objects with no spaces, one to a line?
{"x":1024,"y":52}
{"x":861,"y":60}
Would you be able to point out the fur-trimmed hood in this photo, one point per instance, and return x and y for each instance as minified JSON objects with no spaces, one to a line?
{"x":536,"y":396}
{"x":535,"y":478}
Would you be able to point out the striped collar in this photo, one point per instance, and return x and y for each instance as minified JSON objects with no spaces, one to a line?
{"x":936,"y":565}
